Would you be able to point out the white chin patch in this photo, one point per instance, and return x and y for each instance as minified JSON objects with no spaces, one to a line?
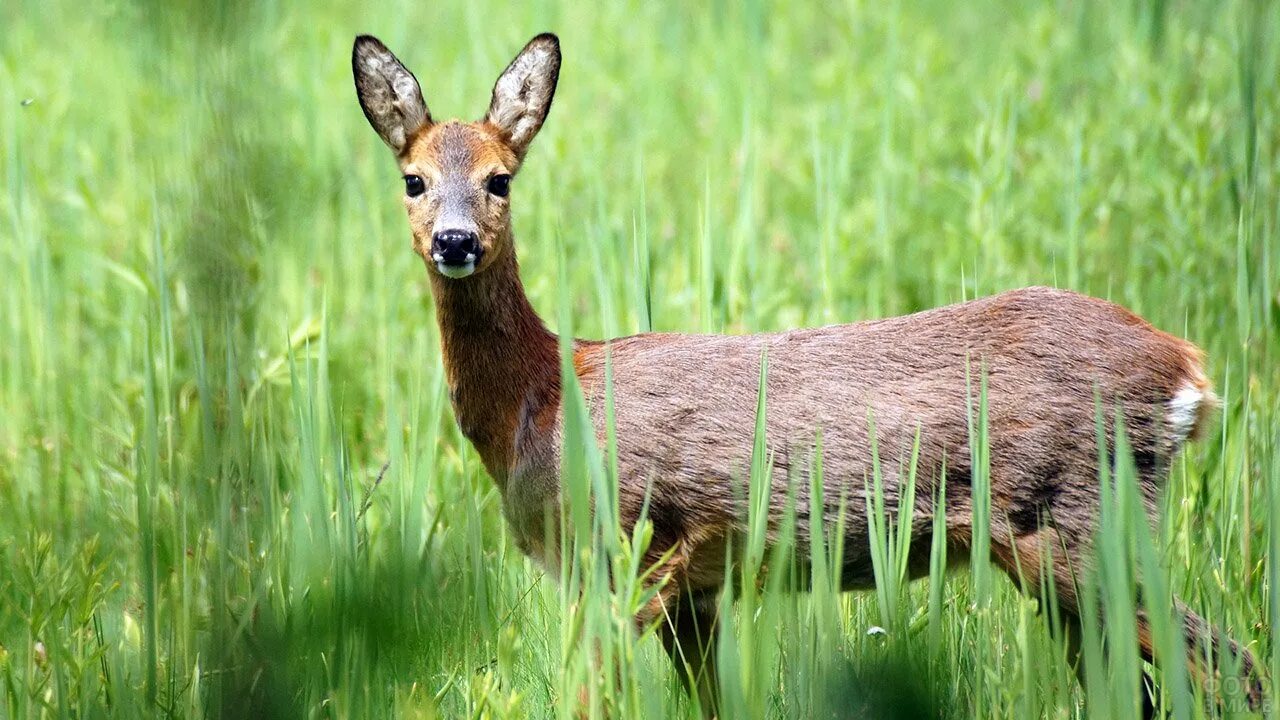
{"x":456,"y":271}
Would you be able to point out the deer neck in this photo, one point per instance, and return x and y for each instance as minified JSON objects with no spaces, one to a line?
{"x":500,"y":360}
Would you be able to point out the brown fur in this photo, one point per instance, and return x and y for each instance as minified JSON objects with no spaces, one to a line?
{"x":685,"y":404}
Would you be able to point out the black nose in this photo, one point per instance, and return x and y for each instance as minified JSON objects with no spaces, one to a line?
{"x":452,"y":247}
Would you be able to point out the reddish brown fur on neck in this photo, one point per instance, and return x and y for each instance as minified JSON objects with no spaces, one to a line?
{"x":497,"y":355}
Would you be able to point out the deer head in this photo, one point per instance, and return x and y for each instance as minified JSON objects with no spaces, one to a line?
{"x":458,"y":175}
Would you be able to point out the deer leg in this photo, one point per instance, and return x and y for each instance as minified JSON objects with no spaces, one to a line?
{"x":1200,"y":635}
{"x":1043,"y":560}
{"x":685,"y":620}
{"x":1026,"y":559}
{"x":688,"y":633}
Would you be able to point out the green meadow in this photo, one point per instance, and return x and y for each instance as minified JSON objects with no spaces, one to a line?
{"x":230,"y":481}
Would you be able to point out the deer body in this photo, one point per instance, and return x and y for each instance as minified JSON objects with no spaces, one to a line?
{"x":685,"y":405}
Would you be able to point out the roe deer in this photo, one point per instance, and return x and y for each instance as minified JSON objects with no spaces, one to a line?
{"x":685,"y":404}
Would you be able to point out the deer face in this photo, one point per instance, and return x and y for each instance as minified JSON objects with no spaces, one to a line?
{"x":458,"y":175}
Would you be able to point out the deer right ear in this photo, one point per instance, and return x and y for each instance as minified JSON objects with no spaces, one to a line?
{"x":522,"y":96}
{"x":389,"y":93}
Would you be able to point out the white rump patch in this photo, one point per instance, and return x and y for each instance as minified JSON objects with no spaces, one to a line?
{"x":1184,"y":412}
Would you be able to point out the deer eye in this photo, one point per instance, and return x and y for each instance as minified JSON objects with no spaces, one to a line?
{"x":414,"y":186}
{"x":500,"y":185}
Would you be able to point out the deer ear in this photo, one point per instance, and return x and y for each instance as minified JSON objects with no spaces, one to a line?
{"x":389,"y":93}
{"x":522,"y":96}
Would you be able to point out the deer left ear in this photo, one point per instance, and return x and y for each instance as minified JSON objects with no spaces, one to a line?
{"x":389,"y":93}
{"x":522,"y":96}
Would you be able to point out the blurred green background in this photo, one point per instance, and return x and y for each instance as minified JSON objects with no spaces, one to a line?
{"x":213,"y":333}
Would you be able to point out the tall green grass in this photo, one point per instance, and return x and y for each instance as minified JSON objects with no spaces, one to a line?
{"x":231,"y":483}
